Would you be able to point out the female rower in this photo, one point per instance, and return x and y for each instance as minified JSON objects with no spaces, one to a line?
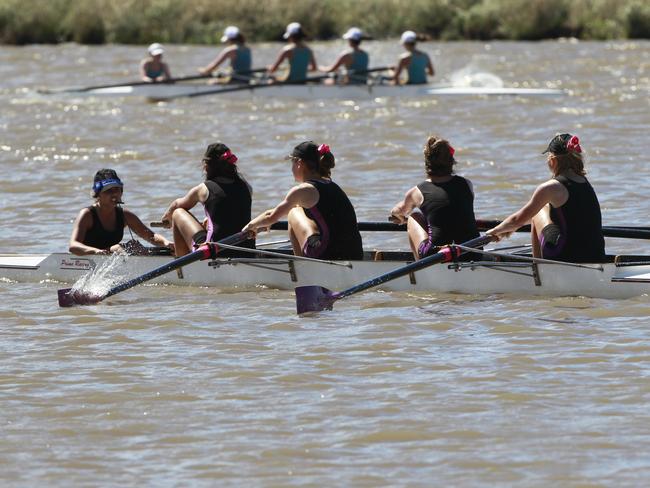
{"x":152,"y":68}
{"x":439,"y":210}
{"x":564,"y":211}
{"x":416,"y":63}
{"x":99,"y":228}
{"x":322,"y":221}
{"x":237,"y":52}
{"x":226,"y":199}
{"x":354,"y":60}
{"x":297,"y":53}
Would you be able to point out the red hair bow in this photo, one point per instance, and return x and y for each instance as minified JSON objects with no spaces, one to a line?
{"x":323,"y":149}
{"x":574,"y":144}
{"x":451,"y":151}
{"x":229,"y":157}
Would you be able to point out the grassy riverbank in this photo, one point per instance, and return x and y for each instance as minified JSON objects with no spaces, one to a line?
{"x":202,"y":21}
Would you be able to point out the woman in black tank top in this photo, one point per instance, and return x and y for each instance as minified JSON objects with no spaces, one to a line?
{"x":439,"y":210}
{"x":322,"y":221}
{"x":226,"y":199}
{"x":564,"y":211}
{"x":99,"y":228}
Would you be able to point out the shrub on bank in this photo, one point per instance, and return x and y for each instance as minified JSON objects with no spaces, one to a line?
{"x":201,"y":21}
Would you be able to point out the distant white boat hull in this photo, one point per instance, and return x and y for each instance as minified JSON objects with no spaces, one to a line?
{"x":520,"y":279}
{"x":164,"y":91}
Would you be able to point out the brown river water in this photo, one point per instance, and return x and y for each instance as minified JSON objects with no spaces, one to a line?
{"x":171,"y":386}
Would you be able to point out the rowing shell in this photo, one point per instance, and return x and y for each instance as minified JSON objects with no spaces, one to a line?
{"x":164,"y":91}
{"x":627,"y":277}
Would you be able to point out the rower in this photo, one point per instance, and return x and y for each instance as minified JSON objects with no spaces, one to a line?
{"x":322,"y":221}
{"x":564,"y":211}
{"x":237,"y":52}
{"x":297,"y":53}
{"x":152,"y":68}
{"x":226,"y":198}
{"x":99,"y":229}
{"x":416,"y":63}
{"x":354,"y":60}
{"x":439,"y":210}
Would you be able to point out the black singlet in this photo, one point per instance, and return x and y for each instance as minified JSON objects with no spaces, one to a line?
{"x":449,"y":210}
{"x":580,"y":223}
{"x":228,"y":209}
{"x":337,"y":221}
{"x":101,"y":238}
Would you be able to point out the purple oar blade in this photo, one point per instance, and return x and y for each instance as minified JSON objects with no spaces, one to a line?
{"x":69,"y":298}
{"x":314,"y":299}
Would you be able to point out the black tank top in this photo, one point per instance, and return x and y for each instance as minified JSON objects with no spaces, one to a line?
{"x":337,"y":222}
{"x":449,"y":210}
{"x":228,"y":209}
{"x":580,"y":220}
{"x":101,"y":238}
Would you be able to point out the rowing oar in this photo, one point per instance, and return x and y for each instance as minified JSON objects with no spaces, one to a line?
{"x":251,"y":86}
{"x":628,"y":232}
{"x":131,"y":83}
{"x":68,"y":297}
{"x":316,"y":298}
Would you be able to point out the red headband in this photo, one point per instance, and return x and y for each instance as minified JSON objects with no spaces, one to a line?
{"x":229,"y":157}
{"x":574,"y":144}
{"x":323,"y":149}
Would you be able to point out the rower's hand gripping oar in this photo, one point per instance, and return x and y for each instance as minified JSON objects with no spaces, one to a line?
{"x":68,"y":297}
{"x":317,"y":298}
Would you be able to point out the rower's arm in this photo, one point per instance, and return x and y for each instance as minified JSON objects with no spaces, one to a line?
{"x":304,"y":195}
{"x":342,"y":59}
{"x":283,"y":55}
{"x":403,"y":209}
{"x":166,"y":72}
{"x":197,"y":194}
{"x":403,"y":62}
{"x":312,"y":61}
{"x":135,"y":224}
{"x":430,"y":69}
{"x":143,"y":71}
{"x":543,"y":194}
{"x":223,"y":55}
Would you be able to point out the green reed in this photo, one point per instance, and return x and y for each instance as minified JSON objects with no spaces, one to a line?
{"x":202,"y":21}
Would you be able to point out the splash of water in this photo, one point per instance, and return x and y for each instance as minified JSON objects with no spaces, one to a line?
{"x":471,"y":77}
{"x":105,"y":276}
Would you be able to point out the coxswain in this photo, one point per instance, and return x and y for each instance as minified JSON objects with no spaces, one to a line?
{"x":152,"y":68}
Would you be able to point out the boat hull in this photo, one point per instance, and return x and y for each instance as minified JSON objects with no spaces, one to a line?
{"x":312,"y":91}
{"x":514,"y":278}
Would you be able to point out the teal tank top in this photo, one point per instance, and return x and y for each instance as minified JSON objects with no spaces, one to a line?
{"x":417,"y":69}
{"x":154,"y":74}
{"x":298,"y":64}
{"x":359,"y":64}
{"x":243,"y":61}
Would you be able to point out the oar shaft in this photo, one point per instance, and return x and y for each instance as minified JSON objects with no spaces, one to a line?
{"x":445,"y":255}
{"x":608,"y":231}
{"x":206,"y":251}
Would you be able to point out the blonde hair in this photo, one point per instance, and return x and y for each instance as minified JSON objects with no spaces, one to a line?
{"x":571,"y":161}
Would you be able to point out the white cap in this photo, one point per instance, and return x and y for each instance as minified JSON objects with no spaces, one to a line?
{"x":408,"y":37}
{"x":231,"y":32}
{"x":155,"y":49}
{"x":353,"y":33}
{"x":292,"y":29}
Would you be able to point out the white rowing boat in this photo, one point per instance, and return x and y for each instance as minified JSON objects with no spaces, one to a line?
{"x":164,"y":91}
{"x":628,"y":276}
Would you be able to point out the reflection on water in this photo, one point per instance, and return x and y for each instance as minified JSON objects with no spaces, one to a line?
{"x":168,"y":385}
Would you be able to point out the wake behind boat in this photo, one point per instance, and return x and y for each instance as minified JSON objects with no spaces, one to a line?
{"x":512,"y":274}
